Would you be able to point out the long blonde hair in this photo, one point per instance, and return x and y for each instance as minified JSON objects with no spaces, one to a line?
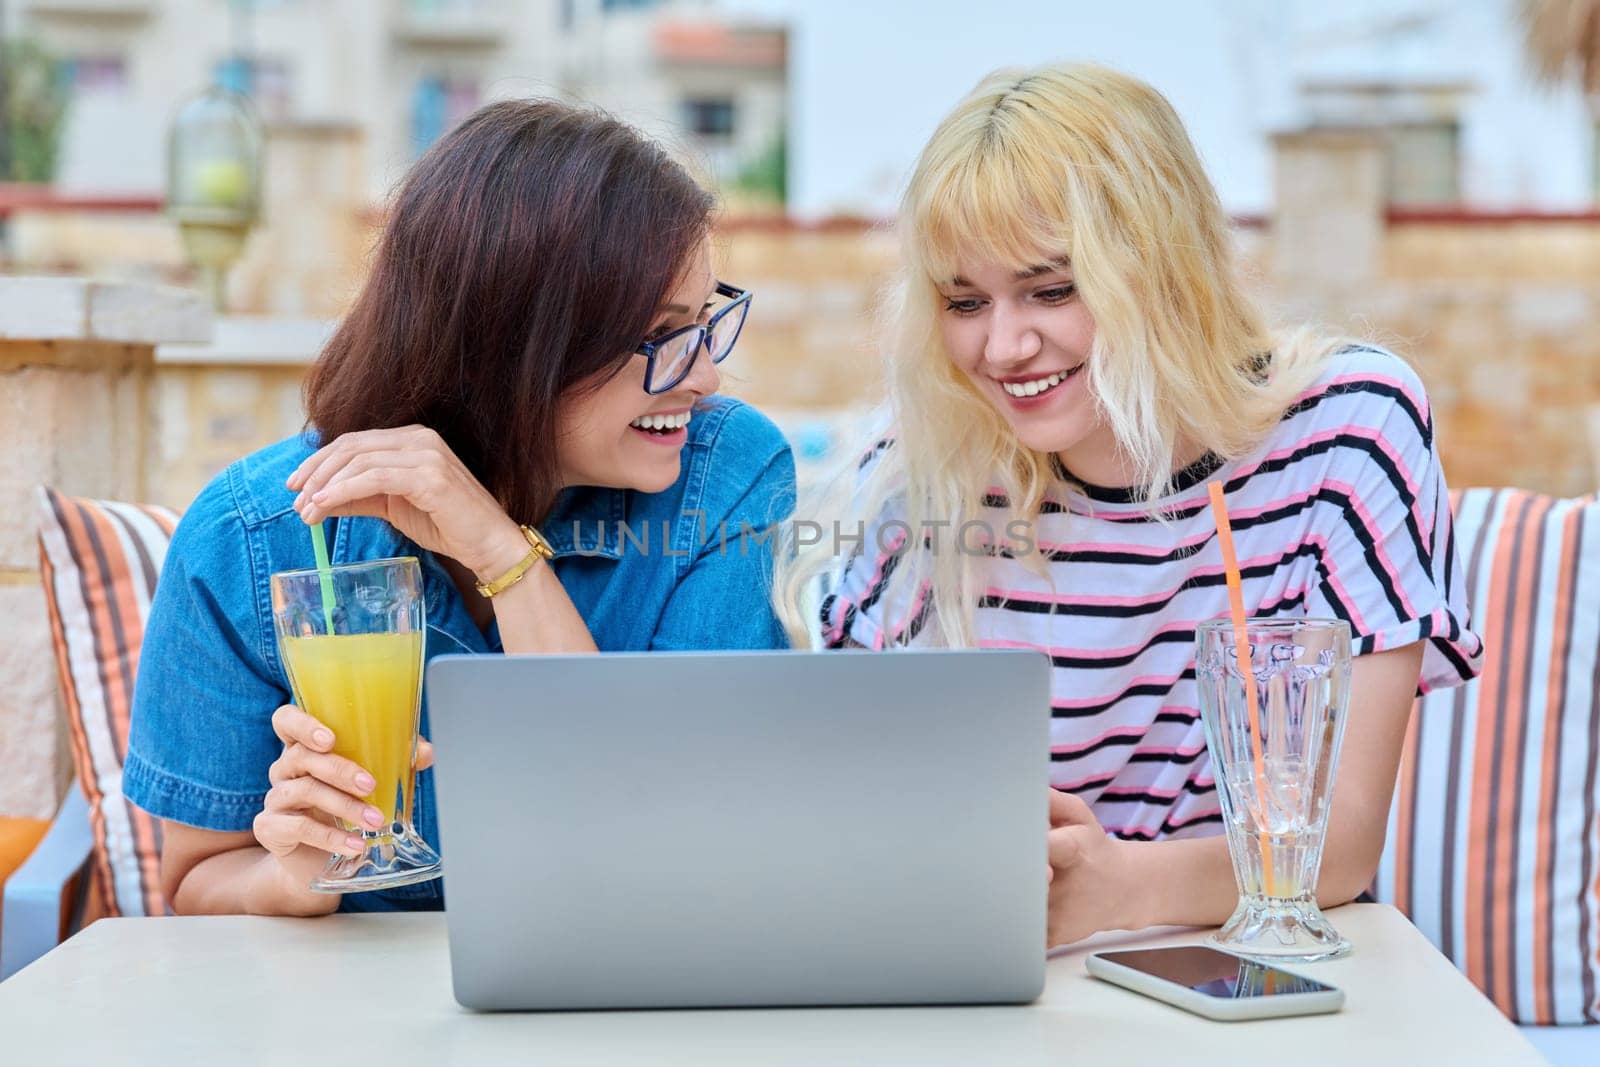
{"x":1075,"y":163}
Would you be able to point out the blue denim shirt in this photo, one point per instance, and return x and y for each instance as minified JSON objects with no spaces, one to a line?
{"x":210,"y":676}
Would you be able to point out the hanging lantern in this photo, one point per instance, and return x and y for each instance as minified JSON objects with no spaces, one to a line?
{"x":214,"y":181}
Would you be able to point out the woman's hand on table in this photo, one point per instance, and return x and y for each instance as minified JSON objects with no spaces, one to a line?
{"x":311,"y":787}
{"x":412,"y":480}
{"x":1091,"y":883}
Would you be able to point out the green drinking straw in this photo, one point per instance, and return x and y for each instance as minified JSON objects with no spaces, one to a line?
{"x":319,"y":548}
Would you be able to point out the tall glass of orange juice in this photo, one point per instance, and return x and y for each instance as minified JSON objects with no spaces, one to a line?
{"x":351,"y":638}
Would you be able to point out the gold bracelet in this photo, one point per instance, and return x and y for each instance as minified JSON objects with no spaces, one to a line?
{"x":540,"y":549}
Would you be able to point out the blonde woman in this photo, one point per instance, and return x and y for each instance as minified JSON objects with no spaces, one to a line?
{"x":1072,"y":360}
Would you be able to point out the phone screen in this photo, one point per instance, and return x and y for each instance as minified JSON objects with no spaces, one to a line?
{"x":1214,"y":973}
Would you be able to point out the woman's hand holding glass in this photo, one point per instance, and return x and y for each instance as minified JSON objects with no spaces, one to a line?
{"x":411,"y":479}
{"x":312,"y":787}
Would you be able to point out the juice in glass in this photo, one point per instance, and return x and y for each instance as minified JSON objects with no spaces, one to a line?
{"x":365,"y":688}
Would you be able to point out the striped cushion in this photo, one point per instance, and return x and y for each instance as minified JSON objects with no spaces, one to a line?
{"x":1493,"y":848}
{"x":99,"y":561}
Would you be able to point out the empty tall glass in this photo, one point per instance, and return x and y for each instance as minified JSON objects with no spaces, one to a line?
{"x":1275,"y":776}
{"x":356,"y":665}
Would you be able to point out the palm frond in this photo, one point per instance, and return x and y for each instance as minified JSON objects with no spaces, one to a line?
{"x":1563,"y":41}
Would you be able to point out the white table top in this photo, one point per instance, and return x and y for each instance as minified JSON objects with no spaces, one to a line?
{"x":242,"y":990}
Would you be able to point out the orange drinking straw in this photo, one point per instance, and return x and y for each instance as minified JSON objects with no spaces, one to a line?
{"x":1241,"y":642}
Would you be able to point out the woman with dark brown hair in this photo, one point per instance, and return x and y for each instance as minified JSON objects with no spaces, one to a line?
{"x":522,"y":397}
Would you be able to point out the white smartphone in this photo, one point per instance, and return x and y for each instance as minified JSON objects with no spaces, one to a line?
{"x":1215,"y":984}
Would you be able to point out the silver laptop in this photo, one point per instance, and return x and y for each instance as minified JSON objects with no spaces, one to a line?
{"x":673,"y":830}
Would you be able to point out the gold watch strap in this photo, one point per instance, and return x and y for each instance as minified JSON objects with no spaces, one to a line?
{"x":539,"y":549}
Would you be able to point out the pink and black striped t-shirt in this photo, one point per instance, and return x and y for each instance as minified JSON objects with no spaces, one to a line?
{"x":1342,"y":512}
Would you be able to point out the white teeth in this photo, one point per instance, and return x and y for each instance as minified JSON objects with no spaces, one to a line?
{"x":1038,"y":385}
{"x":661,"y":422}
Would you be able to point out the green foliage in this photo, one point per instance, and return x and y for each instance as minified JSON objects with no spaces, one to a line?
{"x":766,"y":178}
{"x":34,"y":107}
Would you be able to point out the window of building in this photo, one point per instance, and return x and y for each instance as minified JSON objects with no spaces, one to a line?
{"x":425,"y":8}
{"x":438,"y":103}
{"x":1418,"y":121}
{"x":263,"y":79}
{"x":710,"y":117}
{"x":94,"y":73}
{"x":1424,"y":163}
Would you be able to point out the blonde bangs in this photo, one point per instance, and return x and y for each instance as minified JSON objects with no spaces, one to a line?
{"x":993,"y":203}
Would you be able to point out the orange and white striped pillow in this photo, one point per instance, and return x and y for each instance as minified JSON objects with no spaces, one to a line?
{"x":1494,"y":842}
{"x":99,"y":561}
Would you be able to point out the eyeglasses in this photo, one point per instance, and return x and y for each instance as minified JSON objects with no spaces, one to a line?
{"x":672,"y":356}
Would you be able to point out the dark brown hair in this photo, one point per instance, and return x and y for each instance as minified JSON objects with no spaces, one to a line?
{"x":527,"y":252}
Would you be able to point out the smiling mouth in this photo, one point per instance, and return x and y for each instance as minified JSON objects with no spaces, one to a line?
{"x":661,"y":425}
{"x":1038,"y":386}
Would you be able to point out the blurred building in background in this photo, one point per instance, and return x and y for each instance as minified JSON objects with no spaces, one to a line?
{"x":1446,"y":82}
{"x":351,"y":92}
{"x":399,"y":73}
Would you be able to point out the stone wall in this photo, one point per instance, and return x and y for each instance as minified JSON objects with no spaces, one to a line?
{"x":76,"y":362}
{"x":1500,"y":317}
{"x":217,"y":401}
{"x":1512,"y":369}
{"x":1499,"y":314}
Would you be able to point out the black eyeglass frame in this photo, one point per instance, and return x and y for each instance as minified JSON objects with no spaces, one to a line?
{"x":739,"y":299}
